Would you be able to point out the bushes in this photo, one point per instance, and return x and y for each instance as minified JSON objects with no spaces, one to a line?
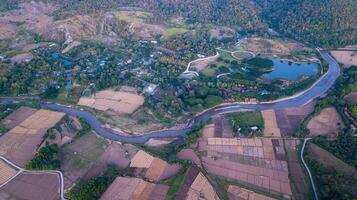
{"x":46,"y":159}
{"x":95,"y":187}
{"x":212,"y":100}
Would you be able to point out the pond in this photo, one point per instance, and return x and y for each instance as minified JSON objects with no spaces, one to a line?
{"x":291,"y":71}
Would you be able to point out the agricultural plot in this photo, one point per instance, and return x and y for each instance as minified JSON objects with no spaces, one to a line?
{"x":120,"y":102}
{"x":18,"y":116}
{"x":289,"y":119}
{"x":116,"y":154}
{"x":6,"y":172}
{"x":153,"y":168}
{"x":134,"y":188}
{"x":78,"y":157}
{"x":271,"y":128}
{"x":239,"y":193}
{"x":196,"y":186}
{"x":347,"y":58}
{"x":256,"y":162}
{"x":299,"y":182}
{"x":20,"y":143}
{"x":328,"y":121}
{"x":33,"y":186}
{"x":202,"y":64}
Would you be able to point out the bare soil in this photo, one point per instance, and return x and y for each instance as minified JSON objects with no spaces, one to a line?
{"x":328,"y":121}
{"x":34,"y":186}
{"x":347,"y":58}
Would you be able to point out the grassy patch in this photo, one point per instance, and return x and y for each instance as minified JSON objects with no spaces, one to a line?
{"x":245,"y":120}
{"x":174,"y":31}
{"x":175,"y":182}
{"x":209,"y":72}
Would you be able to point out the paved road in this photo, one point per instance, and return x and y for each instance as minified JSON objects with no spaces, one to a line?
{"x":318,"y":89}
{"x":307,"y":168}
{"x":21,"y":170}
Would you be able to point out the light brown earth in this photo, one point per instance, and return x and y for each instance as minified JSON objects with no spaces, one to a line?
{"x":6,"y":172}
{"x":24,"y":57}
{"x":262,"y":45}
{"x":18,"y":116}
{"x":239,"y":193}
{"x":35,"y":16}
{"x":271,"y":128}
{"x":351,"y":97}
{"x":120,"y":102}
{"x":347,"y":58}
{"x":202,"y":64}
{"x":155,"y":169}
{"x":20,"y":143}
{"x":189,"y":154}
{"x":329,"y":160}
{"x":327,"y":122}
{"x":134,"y":188}
{"x":201,"y":188}
{"x":208,"y":131}
{"x":34,"y":186}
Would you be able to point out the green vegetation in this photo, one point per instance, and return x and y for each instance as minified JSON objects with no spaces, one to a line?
{"x":85,"y":128}
{"x":329,"y":23}
{"x":168,"y":152}
{"x":6,"y":5}
{"x":45,"y":159}
{"x":353,"y":109}
{"x":174,"y":31}
{"x":95,"y":187}
{"x":332,"y":184}
{"x":176,"y":182}
{"x":344,"y":147}
{"x":243,"y":121}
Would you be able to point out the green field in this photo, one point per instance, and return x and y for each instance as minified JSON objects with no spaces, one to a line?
{"x":245,"y":120}
{"x":174,"y":31}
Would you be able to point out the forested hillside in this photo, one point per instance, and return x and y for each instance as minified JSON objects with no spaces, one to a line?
{"x":328,"y":23}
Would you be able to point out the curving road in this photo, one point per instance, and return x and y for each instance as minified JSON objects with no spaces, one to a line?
{"x":318,"y":89}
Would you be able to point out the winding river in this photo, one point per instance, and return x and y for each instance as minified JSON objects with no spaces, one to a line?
{"x":318,"y":89}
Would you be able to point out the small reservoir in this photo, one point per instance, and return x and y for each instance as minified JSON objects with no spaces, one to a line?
{"x":291,"y":71}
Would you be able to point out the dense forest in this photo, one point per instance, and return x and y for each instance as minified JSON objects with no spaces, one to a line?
{"x":328,"y":23}
{"x":318,"y":22}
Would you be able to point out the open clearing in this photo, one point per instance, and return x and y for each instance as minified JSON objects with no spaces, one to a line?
{"x":18,"y":116}
{"x":174,"y":31}
{"x":33,"y":186}
{"x":271,"y":128}
{"x":78,"y":157}
{"x":201,"y":64}
{"x":347,"y":58}
{"x":154,"y":169}
{"x":236,"y":192}
{"x":120,"y":102}
{"x":134,"y":188}
{"x":329,"y":160}
{"x":351,"y":97}
{"x":20,"y":143}
{"x":196,"y":186}
{"x":262,"y":45}
{"x":328,"y":121}
{"x":289,"y":119}
{"x":113,"y":154}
